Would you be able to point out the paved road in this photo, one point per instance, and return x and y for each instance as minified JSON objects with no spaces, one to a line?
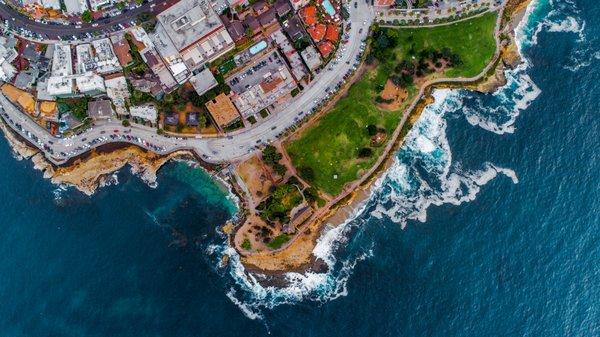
{"x":216,"y":150}
{"x":18,"y":21}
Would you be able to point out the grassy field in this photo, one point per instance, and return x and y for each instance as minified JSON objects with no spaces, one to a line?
{"x":330,"y":148}
{"x":473,"y":40}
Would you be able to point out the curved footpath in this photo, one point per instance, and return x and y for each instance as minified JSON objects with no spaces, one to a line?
{"x":326,"y":211}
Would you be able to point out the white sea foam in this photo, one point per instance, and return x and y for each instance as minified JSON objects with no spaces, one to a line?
{"x":402,"y":193}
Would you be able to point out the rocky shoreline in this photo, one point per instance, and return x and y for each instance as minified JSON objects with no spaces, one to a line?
{"x":92,"y":170}
{"x":298,"y":257}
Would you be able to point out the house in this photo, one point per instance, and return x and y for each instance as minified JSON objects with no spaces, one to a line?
{"x":251,"y":22}
{"x":268,"y":18}
{"x":309,"y":15}
{"x":325,"y":48}
{"x":30,"y":53}
{"x":332,"y":34}
{"x":282,"y":7}
{"x":101,"y":109}
{"x":317,"y":32}
{"x":191,"y":119}
{"x":235,"y":28}
{"x":26,"y":79}
{"x":260,"y":7}
{"x":311,"y":58}
{"x":121,"y":47}
{"x":384,"y":3}
{"x":293,"y":28}
{"x":203,"y":81}
{"x":172,"y":119}
{"x":222,"y":110}
{"x":297,"y":4}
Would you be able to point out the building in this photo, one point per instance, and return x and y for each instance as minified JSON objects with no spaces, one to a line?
{"x":170,"y":55}
{"x":203,"y":81}
{"x":158,"y":67}
{"x":90,"y":84}
{"x":118,"y":92}
{"x":191,"y":119}
{"x":62,"y":65}
{"x":106,"y":61}
{"x":311,"y":58}
{"x":75,"y":7}
{"x":7,"y":55}
{"x":121,"y":48}
{"x":100,"y":109}
{"x":85,"y":58}
{"x":26,"y":79}
{"x":235,"y":28}
{"x":196,"y":31}
{"x":297,"y":67}
{"x":59,"y":86}
{"x":297,"y":4}
{"x":145,"y":113}
{"x":97,"y":4}
{"x":261,"y":83}
{"x":222,"y":110}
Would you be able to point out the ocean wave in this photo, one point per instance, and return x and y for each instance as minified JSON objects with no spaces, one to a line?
{"x":422,"y":175}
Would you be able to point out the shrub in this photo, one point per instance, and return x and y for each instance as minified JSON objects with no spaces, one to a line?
{"x":365,"y":152}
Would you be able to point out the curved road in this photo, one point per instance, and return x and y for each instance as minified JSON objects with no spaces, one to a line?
{"x":55,"y":31}
{"x":235,"y":145}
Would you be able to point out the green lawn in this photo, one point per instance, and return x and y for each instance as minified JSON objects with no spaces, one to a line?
{"x":473,"y":40}
{"x":330,"y":148}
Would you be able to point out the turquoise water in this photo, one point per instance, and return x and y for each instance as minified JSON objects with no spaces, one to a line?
{"x":487,"y":225}
{"x":328,"y":8}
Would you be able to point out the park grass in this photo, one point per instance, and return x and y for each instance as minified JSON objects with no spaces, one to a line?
{"x":473,"y":40}
{"x":330,"y":148}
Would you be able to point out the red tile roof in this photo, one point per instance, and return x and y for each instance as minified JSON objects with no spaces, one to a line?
{"x":317,"y":32}
{"x":332,"y":33}
{"x":325,"y":48}
{"x":309,"y":15}
{"x":384,"y":3}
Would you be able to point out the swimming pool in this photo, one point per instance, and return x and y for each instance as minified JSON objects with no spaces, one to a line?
{"x":328,"y":7}
{"x":258,"y":47}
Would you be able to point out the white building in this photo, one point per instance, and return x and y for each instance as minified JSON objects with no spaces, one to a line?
{"x":60,"y":86}
{"x":90,"y":84}
{"x":62,"y":65}
{"x":7,"y":56}
{"x":75,"y":7}
{"x":97,"y":4}
{"x":117,"y":91}
{"x":146,"y":112}
{"x":104,"y":56}
{"x":85,"y":58}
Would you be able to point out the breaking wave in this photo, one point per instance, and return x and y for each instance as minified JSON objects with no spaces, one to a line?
{"x":423,"y":174}
{"x":565,"y":17}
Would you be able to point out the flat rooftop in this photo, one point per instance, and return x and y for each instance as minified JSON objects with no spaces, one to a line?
{"x":189,"y":21}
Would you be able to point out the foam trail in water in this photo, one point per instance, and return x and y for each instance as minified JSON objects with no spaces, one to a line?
{"x":402,"y":193}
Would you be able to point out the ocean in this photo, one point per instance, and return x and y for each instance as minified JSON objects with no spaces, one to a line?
{"x":486,"y":225}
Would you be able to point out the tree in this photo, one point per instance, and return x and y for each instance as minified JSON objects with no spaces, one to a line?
{"x":270,"y":155}
{"x":126,"y":123}
{"x":86,"y":16}
{"x":279,"y":169}
{"x":307,"y":173}
{"x":365,"y":152}
{"x":371,"y":130}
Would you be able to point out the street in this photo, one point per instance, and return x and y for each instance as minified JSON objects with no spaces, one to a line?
{"x":232,"y":146}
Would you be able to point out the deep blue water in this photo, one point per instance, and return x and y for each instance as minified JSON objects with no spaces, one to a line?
{"x":488,"y":225}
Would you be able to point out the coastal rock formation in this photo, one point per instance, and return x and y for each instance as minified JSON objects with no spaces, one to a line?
{"x":91,"y":171}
